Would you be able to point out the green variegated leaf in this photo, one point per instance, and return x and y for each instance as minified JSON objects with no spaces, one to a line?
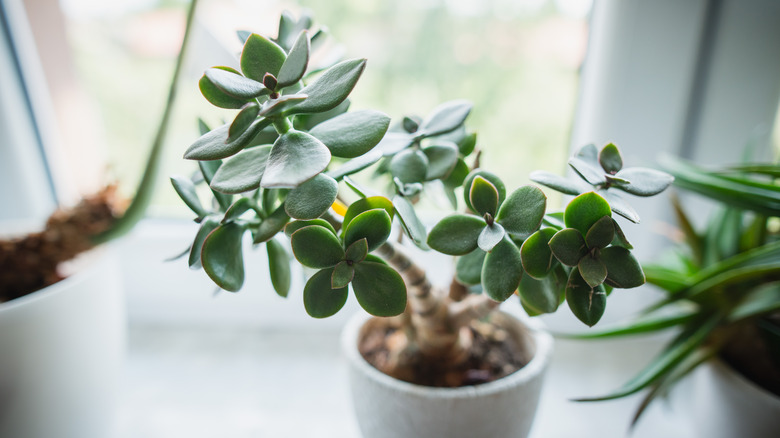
{"x":208,"y":225}
{"x":468,"y":270}
{"x":222,"y":256}
{"x":342,"y":275}
{"x":372,"y":225}
{"x":490,"y":177}
{"x":312,"y":198}
{"x":502,"y":271}
{"x":296,"y":157}
{"x":320,"y":299}
{"x":483,"y":197}
{"x":536,"y":254}
{"x":279,"y":267}
{"x":294,"y":66}
{"x":316,"y":247}
{"x":446,"y":117}
{"x":260,"y":56}
{"x":186,"y":191}
{"x":442,"y":158}
{"x":409,"y":166}
{"x":610,"y":159}
{"x":586,"y":303}
{"x":243,"y":172}
{"x":352,"y":134}
{"x":330,"y":89}
{"x":585,"y":210}
{"x":568,"y":246}
{"x":523,"y":211}
{"x":623,"y":270}
{"x":601,"y":233}
{"x":456,"y":234}
{"x":379,"y":289}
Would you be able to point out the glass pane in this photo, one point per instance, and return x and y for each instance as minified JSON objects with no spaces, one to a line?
{"x":518,"y":62}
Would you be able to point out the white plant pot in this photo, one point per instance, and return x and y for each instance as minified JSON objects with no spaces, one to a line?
{"x":61,"y":355}
{"x":389,"y":408}
{"x":725,"y":405}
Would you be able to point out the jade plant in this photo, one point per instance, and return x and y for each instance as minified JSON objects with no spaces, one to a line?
{"x":721,"y":285}
{"x":283,"y":168}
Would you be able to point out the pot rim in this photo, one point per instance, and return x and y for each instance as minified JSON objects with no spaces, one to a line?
{"x":537,"y":365}
{"x":735,"y":378}
{"x":87,"y":263}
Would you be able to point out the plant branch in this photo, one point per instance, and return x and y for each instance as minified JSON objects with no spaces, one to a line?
{"x":471,"y":308}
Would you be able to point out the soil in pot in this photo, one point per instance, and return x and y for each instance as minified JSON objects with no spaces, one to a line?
{"x":493,"y":354}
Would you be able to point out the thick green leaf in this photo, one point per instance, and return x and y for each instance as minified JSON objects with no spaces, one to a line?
{"x":352,"y":134}
{"x":620,"y":238}
{"x":601,"y":233}
{"x":294,"y":66}
{"x":490,"y":236}
{"x":379,"y":289}
{"x":277,"y":106}
{"x":467,"y":145}
{"x":279,"y":267}
{"x":355,"y":165}
{"x":446,"y":117}
{"x":208,"y":169}
{"x":235,"y":85}
{"x":208,"y":225}
{"x":271,"y":225}
{"x":468,"y":270}
{"x":296,"y":157}
{"x":330,"y":89}
{"x":373,"y":225}
{"x":568,"y":246}
{"x":458,"y":174}
{"x":610,"y":159}
{"x":320,"y":299}
{"x":644,"y":181}
{"x":411,"y":224}
{"x":186,"y":191}
{"x":365,"y":204}
{"x":586,"y":303}
{"x":215,"y":145}
{"x":483,"y":197}
{"x":585,"y":210}
{"x":297,"y":225}
{"x":456,"y":234}
{"x":216,"y":96}
{"x":557,"y":182}
{"x":343,"y":273}
{"x":243,"y":172}
{"x":523,"y":211}
{"x":536,"y":254}
{"x":541,"y":295}
{"x":409,"y":166}
{"x":243,"y":120}
{"x":619,"y":205}
{"x":260,"y":56}
{"x":305,"y":122}
{"x":586,"y":163}
{"x":592,"y":270}
{"x":357,"y":252}
{"x":223,"y":258}
{"x":623,"y":270}
{"x":394,"y":142}
{"x":312,"y":198}
{"x":237,"y":209}
{"x":491,"y":177}
{"x":316,"y":247}
{"x":502,"y":271}
{"x":442,"y":158}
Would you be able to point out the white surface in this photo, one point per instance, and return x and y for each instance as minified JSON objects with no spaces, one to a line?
{"x":243,"y":383}
{"x":388,"y":408}
{"x":61,"y":352}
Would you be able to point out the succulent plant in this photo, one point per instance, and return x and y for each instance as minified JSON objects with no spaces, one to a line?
{"x":288,"y":156}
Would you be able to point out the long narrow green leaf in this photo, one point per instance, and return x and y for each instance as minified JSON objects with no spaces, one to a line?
{"x":763,"y":300}
{"x":643,"y":324}
{"x":772,"y":170}
{"x":671,"y":357}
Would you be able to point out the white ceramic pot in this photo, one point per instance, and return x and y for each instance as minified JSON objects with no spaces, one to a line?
{"x":725,"y":405}
{"x":61,"y":355}
{"x":389,"y":408}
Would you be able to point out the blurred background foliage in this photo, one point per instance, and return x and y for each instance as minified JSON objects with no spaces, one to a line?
{"x":517,"y":60}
